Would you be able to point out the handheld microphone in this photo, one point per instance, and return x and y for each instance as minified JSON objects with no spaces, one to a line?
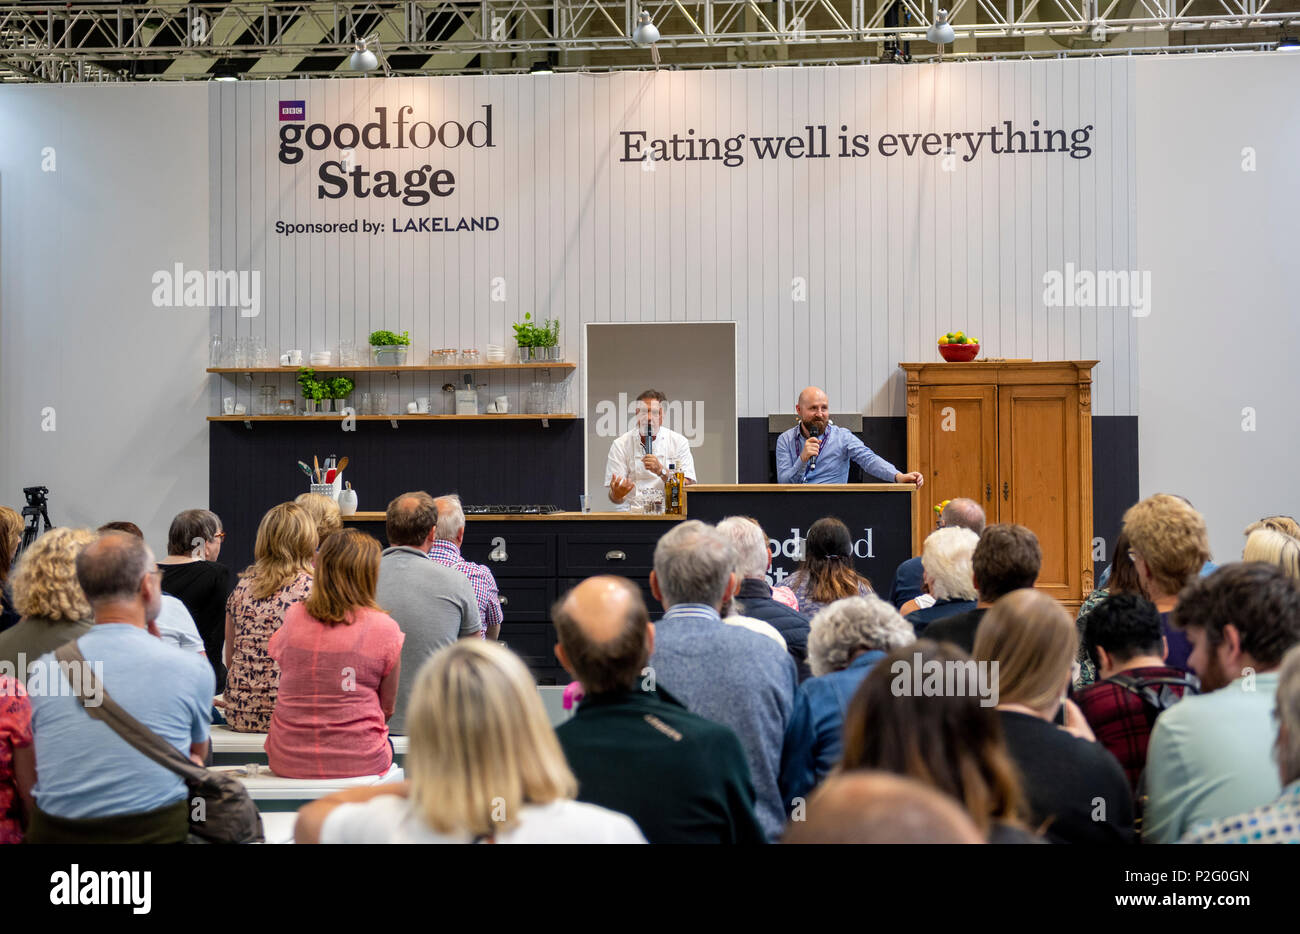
{"x":812,"y":461}
{"x":649,"y":444}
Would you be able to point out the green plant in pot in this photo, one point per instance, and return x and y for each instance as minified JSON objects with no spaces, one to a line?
{"x":313,"y":389}
{"x":529,"y":338}
{"x":338,"y":388}
{"x":388,"y":348}
{"x":550,"y":339}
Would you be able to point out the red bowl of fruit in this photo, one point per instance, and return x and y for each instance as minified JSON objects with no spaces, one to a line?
{"x":958,"y":348}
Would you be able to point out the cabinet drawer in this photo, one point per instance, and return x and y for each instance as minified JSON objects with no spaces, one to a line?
{"x":508,"y":553}
{"x":583,"y":554}
{"x":525,"y":599}
{"x":534,"y":643}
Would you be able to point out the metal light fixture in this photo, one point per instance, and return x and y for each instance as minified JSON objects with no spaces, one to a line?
{"x":941,"y":32}
{"x":366,"y":61}
{"x":646,"y":34}
{"x":541,"y":68}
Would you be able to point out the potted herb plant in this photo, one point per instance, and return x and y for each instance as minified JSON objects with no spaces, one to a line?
{"x":550,"y":339}
{"x":339,"y":388}
{"x":313,"y":389}
{"x":528,"y":338}
{"x":389,"y":349}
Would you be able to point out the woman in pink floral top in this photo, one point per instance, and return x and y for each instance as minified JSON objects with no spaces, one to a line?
{"x":17,"y":760}
{"x":280,"y":577}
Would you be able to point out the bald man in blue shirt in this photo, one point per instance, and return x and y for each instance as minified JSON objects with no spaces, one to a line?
{"x":817,"y":451}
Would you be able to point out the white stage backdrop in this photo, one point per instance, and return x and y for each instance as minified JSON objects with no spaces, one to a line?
{"x":842,"y":217}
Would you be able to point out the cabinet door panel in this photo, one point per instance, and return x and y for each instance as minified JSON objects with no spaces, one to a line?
{"x":959,"y":454}
{"x":1039,"y":477}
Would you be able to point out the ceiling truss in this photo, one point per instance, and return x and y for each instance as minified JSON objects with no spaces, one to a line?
{"x":95,"y":41}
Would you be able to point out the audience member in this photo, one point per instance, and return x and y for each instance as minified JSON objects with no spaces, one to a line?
{"x":1006,"y":558}
{"x":92,"y":786}
{"x":324,"y":512}
{"x":950,"y":740}
{"x":826,"y":572}
{"x":17,"y":761}
{"x":730,"y":613}
{"x":946,"y":560}
{"x":11,"y":536}
{"x":908,"y":580}
{"x":724,"y":673}
{"x":47,"y":594}
{"x":848,"y":638}
{"x":1077,"y":791}
{"x":1274,"y":548}
{"x":754,"y":595}
{"x":872,"y":807}
{"x":1210,"y":756}
{"x":484,"y":767}
{"x":446,"y":550}
{"x":174,"y":623}
{"x":1120,"y":577}
{"x":1284,"y":524}
{"x":433,"y":604}
{"x":1124,"y":638}
{"x":191,"y":573}
{"x":340,"y":660}
{"x":634,"y":748}
{"x":1169,"y":544}
{"x":279,"y":577}
{"x":1279,"y":820}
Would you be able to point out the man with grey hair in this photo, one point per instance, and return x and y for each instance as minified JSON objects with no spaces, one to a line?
{"x":1279,"y":820}
{"x":92,"y":785}
{"x":948,"y":576}
{"x":961,"y":512}
{"x":848,"y":637}
{"x":726,"y":674}
{"x":754,"y":593}
{"x":450,"y":535}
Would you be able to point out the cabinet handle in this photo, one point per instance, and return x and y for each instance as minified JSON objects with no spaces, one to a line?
{"x":988,"y":492}
{"x":615,"y":556}
{"x":1006,"y":491}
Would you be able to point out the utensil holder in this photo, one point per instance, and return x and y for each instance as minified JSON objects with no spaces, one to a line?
{"x":326,"y":489}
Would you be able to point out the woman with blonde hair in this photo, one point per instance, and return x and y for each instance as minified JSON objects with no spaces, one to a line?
{"x":11,"y":536}
{"x":484,"y":767}
{"x":47,"y":594}
{"x":279,"y":577}
{"x":340,"y":657}
{"x":324,"y":512}
{"x":1077,"y":791}
{"x":1274,"y":547}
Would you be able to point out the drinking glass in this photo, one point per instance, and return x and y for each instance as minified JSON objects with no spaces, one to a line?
{"x":381,"y":404}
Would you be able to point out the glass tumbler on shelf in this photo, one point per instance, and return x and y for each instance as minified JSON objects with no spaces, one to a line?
{"x":348,"y":354}
{"x":367,"y":405}
{"x":261,"y":355}
{"x":215,"y":357}
{"x":268,"y":400}
{"x":381,"y":404}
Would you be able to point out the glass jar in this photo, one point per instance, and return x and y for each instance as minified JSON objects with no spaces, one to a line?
{"x":268,"y":400}
{"x":286,"y":407}
{"x":470,"y":357}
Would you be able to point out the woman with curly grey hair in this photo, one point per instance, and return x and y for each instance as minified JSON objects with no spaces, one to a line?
{"x":847,"y":638}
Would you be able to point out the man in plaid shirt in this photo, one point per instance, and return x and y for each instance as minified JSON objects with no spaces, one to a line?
{"x":446,"y":550}
{"x":1123,"y":638}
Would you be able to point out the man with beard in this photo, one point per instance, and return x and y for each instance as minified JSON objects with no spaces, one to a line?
{"x":818,"y":451}
{"x":1212,"y":756}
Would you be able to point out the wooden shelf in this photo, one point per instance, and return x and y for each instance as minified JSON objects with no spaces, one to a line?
{"x":404,"y":417}
{"x":410,"y":367}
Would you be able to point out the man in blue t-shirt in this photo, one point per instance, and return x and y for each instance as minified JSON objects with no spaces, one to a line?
{"x":818,"y":451}
{"x":87,"y":774}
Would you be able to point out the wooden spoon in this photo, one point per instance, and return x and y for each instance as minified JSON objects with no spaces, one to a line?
{"x":315,"y":462}
{"x":343,"y":463}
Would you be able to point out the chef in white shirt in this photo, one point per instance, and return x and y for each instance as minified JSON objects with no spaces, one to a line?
{"x":639,"y":458}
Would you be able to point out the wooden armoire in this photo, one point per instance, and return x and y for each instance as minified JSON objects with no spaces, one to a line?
{"x":1017,"y":438}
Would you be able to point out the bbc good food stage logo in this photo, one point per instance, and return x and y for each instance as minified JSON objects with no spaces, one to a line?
{"x":951,"y":678}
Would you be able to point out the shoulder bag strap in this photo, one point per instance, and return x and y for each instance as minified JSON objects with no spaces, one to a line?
{"x":108,"y":711}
